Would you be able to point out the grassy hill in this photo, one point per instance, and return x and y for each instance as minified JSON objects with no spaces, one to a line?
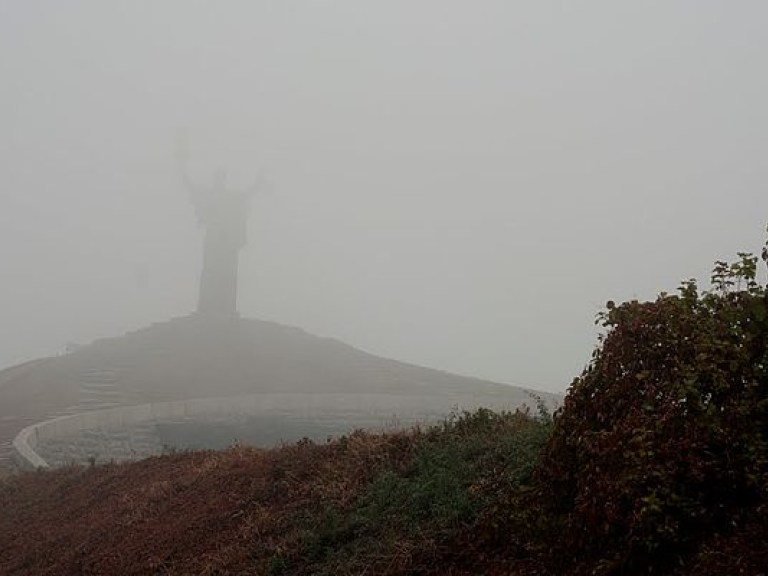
{"x":422,"y":501}
{"x":463,"y":498}
{"x":200,"y":357}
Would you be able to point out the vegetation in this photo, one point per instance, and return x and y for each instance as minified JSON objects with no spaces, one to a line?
{"x":415,"y":509}
{"x":656,"y":464}
{"x":662,"y":445}
{"x":376,"y":503}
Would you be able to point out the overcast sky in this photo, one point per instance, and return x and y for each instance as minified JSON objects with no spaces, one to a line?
{"x":458,"y":184}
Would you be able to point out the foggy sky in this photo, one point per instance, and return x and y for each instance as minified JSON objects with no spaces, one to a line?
{"x":457,"y":184}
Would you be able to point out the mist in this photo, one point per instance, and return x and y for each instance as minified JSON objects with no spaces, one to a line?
{"x":457,"y":185}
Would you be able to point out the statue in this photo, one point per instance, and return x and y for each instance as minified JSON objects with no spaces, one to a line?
{"x":223,"y":212}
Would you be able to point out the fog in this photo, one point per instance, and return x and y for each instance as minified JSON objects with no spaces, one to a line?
{"x":460,"y":185}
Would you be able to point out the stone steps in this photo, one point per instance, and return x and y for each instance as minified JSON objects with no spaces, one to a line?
{"x":99,"y":390}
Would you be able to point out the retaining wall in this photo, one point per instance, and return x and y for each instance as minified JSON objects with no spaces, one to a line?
{"x":103,"y":432}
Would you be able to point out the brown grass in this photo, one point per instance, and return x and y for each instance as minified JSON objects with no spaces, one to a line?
{"x":196,"y":513}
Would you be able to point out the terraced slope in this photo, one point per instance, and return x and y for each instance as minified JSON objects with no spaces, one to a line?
{"x":194,"y":357}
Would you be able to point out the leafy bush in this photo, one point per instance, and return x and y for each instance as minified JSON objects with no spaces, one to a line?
{"x":662,"y":442}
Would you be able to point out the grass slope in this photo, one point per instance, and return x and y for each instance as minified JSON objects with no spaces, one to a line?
{"x":462,"y":498}
{"x":415,"y":502}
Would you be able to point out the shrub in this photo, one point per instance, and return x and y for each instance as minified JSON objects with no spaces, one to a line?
{"x":663,"y":440}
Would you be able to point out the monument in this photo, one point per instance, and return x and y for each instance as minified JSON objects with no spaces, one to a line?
{"x":223,"y":212}
{"x":215,"y":375}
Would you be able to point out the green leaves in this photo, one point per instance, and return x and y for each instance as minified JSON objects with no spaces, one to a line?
{"x":741,"y":274}
{"x":455,"y":485}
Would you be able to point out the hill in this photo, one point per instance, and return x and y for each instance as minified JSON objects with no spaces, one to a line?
{"x":198,"y":357}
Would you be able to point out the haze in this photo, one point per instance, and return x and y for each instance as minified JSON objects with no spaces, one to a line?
{"x":460,"y":185}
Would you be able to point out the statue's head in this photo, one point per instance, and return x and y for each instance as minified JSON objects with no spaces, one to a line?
{"x":220,"y":179}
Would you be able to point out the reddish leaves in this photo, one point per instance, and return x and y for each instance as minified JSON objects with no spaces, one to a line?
{"x":662,"y":441}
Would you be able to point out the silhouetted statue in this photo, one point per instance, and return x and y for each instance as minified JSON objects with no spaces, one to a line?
{"x":223,"y":212}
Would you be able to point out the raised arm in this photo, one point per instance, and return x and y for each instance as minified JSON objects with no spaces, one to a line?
{"x":197,"y":193}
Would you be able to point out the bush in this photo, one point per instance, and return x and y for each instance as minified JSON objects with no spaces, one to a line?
{"x":662,"y":442}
